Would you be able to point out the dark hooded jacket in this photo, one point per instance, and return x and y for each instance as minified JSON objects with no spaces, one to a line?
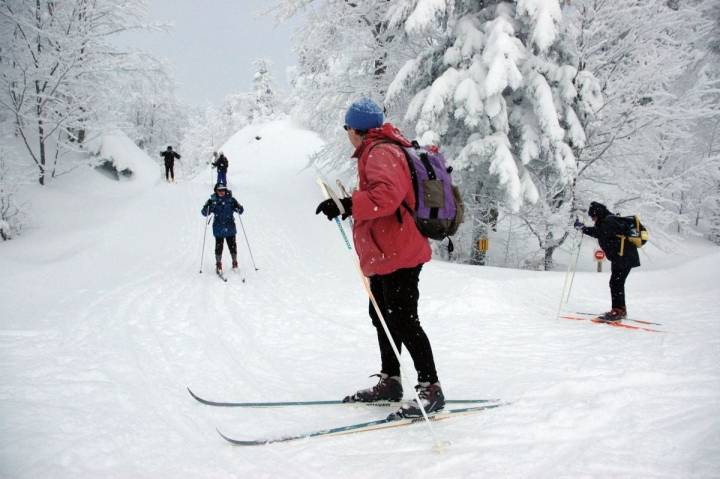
{"x":221,"y":163}
{"x":169,"y":156}
{"x":606,"y":230}
{"x":223,"y":208}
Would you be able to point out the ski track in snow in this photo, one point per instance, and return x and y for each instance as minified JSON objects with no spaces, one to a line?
{"x":104,"y":324}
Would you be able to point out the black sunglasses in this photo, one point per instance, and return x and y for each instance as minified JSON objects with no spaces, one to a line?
{"x":346,"y":128}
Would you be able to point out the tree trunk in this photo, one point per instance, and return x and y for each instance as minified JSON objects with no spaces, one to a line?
{"x":548,"y":260}
{"x":478,"y":257}
{"x":41,"y":135}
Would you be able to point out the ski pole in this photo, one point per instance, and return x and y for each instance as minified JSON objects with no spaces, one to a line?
{"x":345,"y":194}
{"x":247,"y":243}
{"x":569,"y":275}
{"x":574,"y":268}
{"x":202,"y":252}
{"x":329,"y":193}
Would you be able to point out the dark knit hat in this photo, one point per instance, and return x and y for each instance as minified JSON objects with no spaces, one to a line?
{"x":597,"y":210}
{"x":220,"y":186}
{"x":364,"y":114}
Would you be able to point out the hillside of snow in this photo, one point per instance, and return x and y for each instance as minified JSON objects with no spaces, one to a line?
{"x":105,"y":319}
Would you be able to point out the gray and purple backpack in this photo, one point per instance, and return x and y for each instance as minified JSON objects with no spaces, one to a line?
{"x":439,"y":207}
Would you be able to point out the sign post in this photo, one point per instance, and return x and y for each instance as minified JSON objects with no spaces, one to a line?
{"x":599,"y":255}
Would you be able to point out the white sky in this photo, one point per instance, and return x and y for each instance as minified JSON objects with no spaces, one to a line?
{"x":213,"y":44}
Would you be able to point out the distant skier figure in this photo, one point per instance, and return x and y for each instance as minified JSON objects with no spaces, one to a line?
{"x":221,"y":163}
{"x":392,"y":252}
{"x":222,"y":204}
{"x":169,"y":155}
{"x":607,"y":230}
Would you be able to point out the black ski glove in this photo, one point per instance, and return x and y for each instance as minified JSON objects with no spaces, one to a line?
{"x":578,"y":224}
{"x":240,"y":209}
{"x":330,"y":209}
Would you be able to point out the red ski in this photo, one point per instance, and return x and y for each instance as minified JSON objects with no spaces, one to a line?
{"x":616,"y":324}
{"x":596,"y":315}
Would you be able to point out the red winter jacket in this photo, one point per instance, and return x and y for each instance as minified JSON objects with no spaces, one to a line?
{"x":383,"y":243}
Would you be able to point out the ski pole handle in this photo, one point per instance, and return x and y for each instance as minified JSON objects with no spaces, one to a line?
{"x":342,"y":188}
{"x":345,"y":195}
{"x":328,"y":193}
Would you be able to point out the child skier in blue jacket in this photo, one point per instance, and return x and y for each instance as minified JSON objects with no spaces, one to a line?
{"x":222,"y":204}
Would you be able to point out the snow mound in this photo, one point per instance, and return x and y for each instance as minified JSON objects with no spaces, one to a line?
{"x":263,"y":148}
{"x":129,"y":161}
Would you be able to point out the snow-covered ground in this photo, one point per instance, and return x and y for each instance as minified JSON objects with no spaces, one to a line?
{"x":104,"y":320}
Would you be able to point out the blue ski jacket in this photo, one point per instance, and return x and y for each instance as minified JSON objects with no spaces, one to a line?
{"x":223,"y":209}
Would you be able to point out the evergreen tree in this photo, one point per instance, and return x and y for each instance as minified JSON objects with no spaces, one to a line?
{"x":264,"y":91}
{"x":504,"y":95}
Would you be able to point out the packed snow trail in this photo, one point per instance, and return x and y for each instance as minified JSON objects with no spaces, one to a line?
{"x":105,"y":321}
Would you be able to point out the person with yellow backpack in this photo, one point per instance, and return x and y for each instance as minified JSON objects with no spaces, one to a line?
{"x":621,"y":249}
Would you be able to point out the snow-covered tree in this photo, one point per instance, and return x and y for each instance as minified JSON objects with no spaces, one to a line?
{"x":11,"y":213}
{"x":58,"y":70}
{"x":206,"y":130}
{"x":642,"y":153}
{"x":264,"y":91}
{"x":150,"y":113}
{"x":503,"y":93}
{"x":345,"y":50}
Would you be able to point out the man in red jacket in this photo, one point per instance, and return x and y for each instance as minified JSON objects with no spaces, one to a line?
{"x":391,"y":252}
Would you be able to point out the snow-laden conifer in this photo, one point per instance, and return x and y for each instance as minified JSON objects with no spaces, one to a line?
{"x":501,"y":96}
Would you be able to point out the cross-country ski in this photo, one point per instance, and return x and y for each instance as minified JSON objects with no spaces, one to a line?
{"x":617,"y":323}
{"x":336,"y":402}
{"x":387,"y":423}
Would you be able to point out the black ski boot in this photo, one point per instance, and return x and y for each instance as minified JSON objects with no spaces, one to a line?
{"x":389,"y":388}
{"x":432,"y":398}
{"x":218,"y":267}
{"x":615,"y":314}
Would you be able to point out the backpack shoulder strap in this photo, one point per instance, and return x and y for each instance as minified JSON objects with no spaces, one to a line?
{"x":413,"y":177}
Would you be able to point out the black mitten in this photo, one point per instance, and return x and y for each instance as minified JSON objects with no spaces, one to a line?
{"x":330,"y":209}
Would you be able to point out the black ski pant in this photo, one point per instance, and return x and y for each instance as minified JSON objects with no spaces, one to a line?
{"x":397,"y":296}
{"x":232,"y":246}
{"x":169,"y":171}
{"x":618,"y":275}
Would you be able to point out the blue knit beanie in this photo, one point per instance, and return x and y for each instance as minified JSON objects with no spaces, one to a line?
{"x":364,"y":114}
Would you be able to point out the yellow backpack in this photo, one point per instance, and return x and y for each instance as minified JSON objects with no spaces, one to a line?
{"x":635,"y":232}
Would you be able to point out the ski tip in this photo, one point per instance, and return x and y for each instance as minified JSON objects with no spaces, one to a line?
{"x":195,"y":396}
{"x":237,"y":442}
